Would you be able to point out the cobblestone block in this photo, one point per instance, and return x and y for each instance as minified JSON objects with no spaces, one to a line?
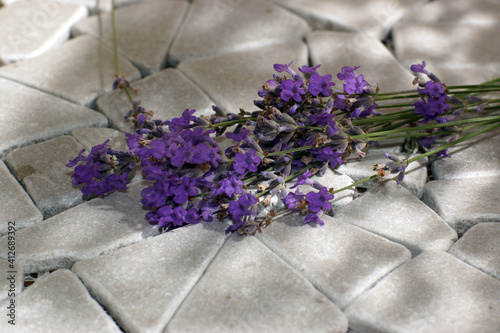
{"x":90,"y":137}
{"x":11,"y":279}
{"x":464,"y":203}
{"x":144,"y":42}
{"x":389,"y":210}
{"x":15,"y":204}
{"x":28,"y":116}
{"x":142,"y":285}
{"x":58,"y":303}
{"x":248,"y":288}
{"x":30,"y":28}
{"x":248,"y":72}
{"x":479,"y":247}
{"x":434,"y":292}
{"x":215,"y":28}
{"x":320,"y":254}
{"x":43,"y":171}
{"x":79,"y":71}
{"x":167,"y":93}
{"x":89,"y":230}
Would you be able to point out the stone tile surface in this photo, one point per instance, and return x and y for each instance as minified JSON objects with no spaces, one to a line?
{"x":248,"y":72}
{"x":11,"y":279}
{"x":167,"y":93}
{"x":463,"y":203}
{"x":28,"y":116}
{"x":248,"y":288}
{"x":79,"y":71}
{"x":30,"y":28}
{"x":90,"y":137}
{"x":89,"y":230}
{"x":59,"y":303}
{"x":398,"y":215}
{"x":479,"y":247}
{"x":320,"y":254}
{"x":216,"y":27}
{"x":42,"y":169}
{"x":15,"y":204}
{"x":434,"y":292}
{"x":144,"y":42}
{"x":165,"y":267}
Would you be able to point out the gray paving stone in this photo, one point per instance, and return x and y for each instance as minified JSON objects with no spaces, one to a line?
{"x":233,"y":80}
{"x":479,"y":247}
{"x":142,"y":285}
{"x":30,"y":28}
{"x":320,"y":254}
{"x":42,"y":169}
{"x":89,"y":230}
{"x":29,"y":115}
{"x":374,"y":19}
{"x":15,"y":204}
{"x":389,"y":210}
{"x":458,"y":75}
{"x":378,"y":65}
{"x":90,"y":137}
{"x":168,"y":93}
{"x":463,"y":203}
{"x":99,"y":6}
{"x":59,"y":303}
{"x":415,"y":175}
{"x":480,"y":12}
{"x":247,"y":288}
{"x":434,"y":292}
{"x":11,"y":280}
{"x":79,"y":71}
{"x":216,"y":27}
{"x":447,"y":44}
{"x":477,"y":157}
{"x":144,"y":42}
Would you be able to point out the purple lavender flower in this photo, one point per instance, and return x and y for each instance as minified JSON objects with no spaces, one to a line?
{"x":421,"y":69}
{"x":294,"y":199}
{"x":241,"y":208}
{"x":319,"y":200}
{"x":240,"y":136}
{"x":228,"y":186}
{"x":284,"y":68}
{"x":292,"y":89}
{"x":396,"y":165}
{"x":327,"y":154}
{"x":320,"y":85}
{"x":314,"y":218}
{"x":246,"y":162}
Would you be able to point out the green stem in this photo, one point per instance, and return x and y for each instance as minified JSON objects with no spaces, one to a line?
{"x":355,"y":184}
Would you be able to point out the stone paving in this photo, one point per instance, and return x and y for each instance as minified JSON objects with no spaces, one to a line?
{"x":422,"y":257}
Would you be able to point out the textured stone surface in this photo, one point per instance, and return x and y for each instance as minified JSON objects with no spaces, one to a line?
{"x":389,"y":210}
{"x":248,"y":288}
{"x":79,"y":71}
{"x":233,"y":80}
{"x":42,"y":170}
{"x":320,"y":254}
{"x":30,"y":28}
{"x":15,"y":204}
{"x":434,"y":292}
{"x":167,"y":93}
{"x":374,"y":19}
{"x":59,"y":303}
{"x":415,"y":174}
{"x":90,"y":137}
{"x":82,"y":232}
{"x":144,"y":42}
{"x":29,"y":115}
{"x":214,"y":28}
{"x":11,"y":279}
{"x":165,"y":267}
{"x":479,"y":247}
{"x":464,"y":203}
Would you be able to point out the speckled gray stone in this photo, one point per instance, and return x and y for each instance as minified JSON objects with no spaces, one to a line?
{"x":29,"y":115}
{"x":247,"y":288}
{"x":79,"y":71}
{"x":15,"y":204}
{"x":82,"y":232}
{"x":432,"y":293}
{"x":320,"y":254}
{"x":167,"y":93}
{"x":30,"y":28}
{"x":144,"y":42}
{"x":248,"y":72}
{"x":463,"y":203}
{"x":389,"y":210}
{"x":165,"y":267}
{"x":90,"y":137}
{"x":43,"y":171}
{"x":11,"y":277}
{"x":58,"y":303}
{"x":480,"y":248}
{"x":217,"y":27}
{"x":99,"y":6}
